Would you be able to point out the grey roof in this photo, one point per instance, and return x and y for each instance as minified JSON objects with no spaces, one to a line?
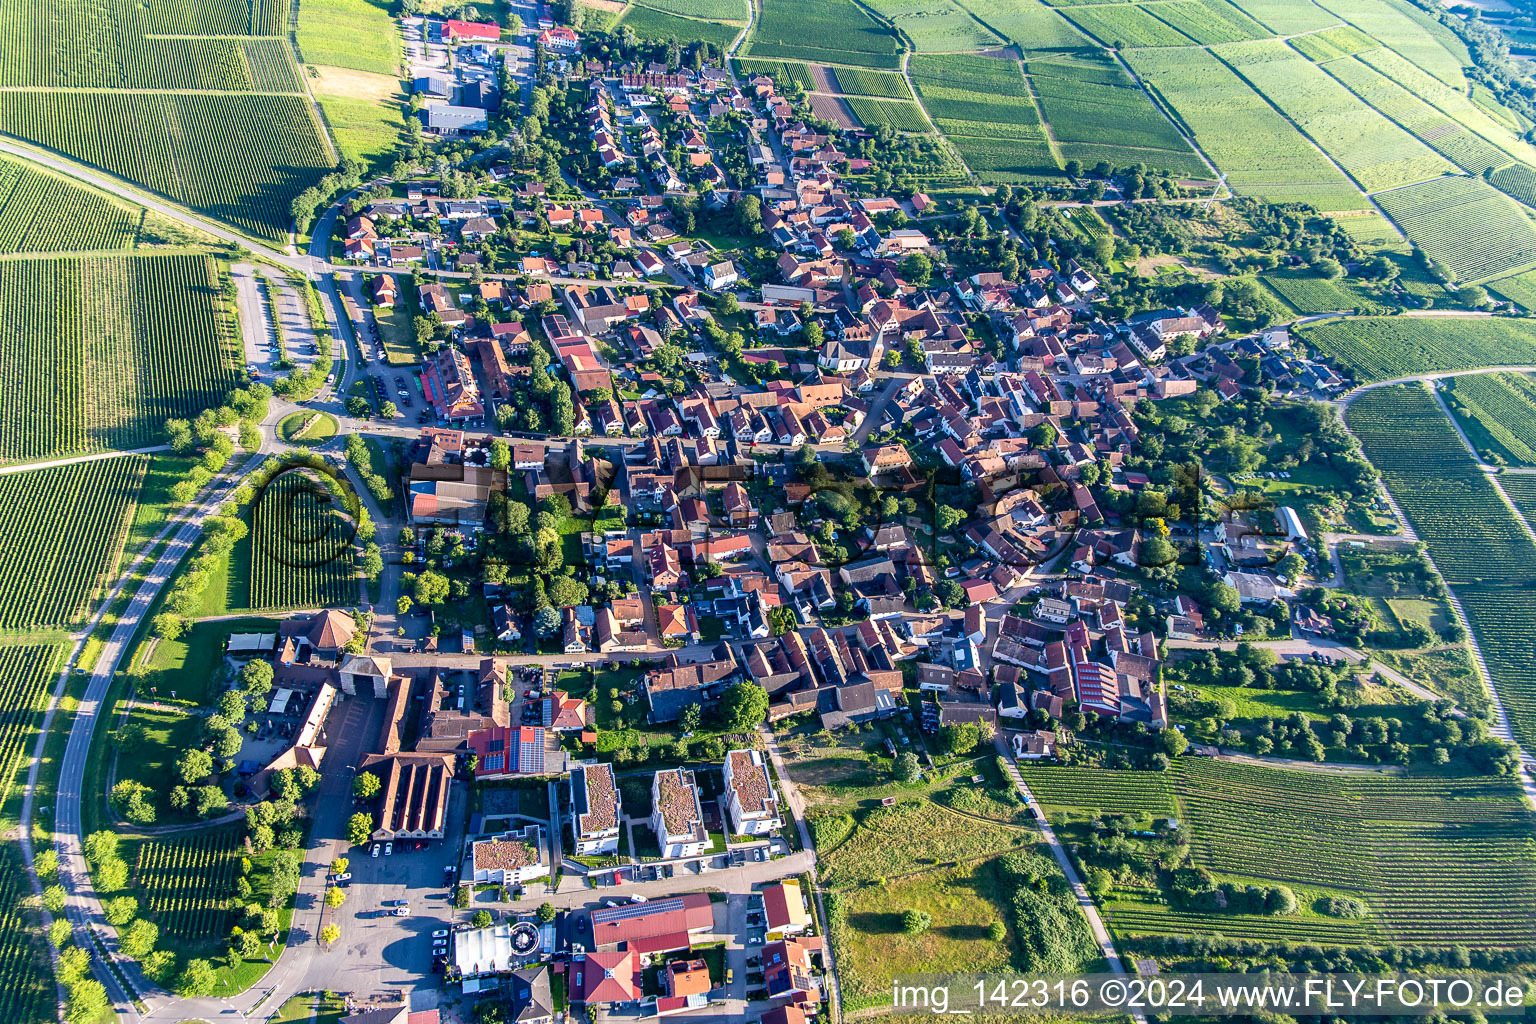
{"x":455,"y":118}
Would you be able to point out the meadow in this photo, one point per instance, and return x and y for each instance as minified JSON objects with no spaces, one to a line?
{"x":238,"y":158}
{"x":1479,"y":545}
{"x":1437,"y":860}
{"x":1466,"y":225}
{"x":43,"y":212}
{"x":1382,"y":348}
{"x":1501,"y":406}
{"x":188,"y":883}
{"x":60,"y":533}
{"x":356,"y":34}
{"x":99,"y":352}
{"x":1258,"y":149}
{"x":842,"y":32}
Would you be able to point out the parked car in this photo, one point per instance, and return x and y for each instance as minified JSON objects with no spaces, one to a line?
{"x":343,"y":877}
{"x":402,"y":911}
{"x":389,"y":848}
{"x":441,"y":933}
{"x":375,"y":852}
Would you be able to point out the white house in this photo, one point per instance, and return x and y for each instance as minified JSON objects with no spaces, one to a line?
{"x":512,"y":858}
{"x":677,"y":818}
{"x":595,"y":810}
{"x":749,"y":798}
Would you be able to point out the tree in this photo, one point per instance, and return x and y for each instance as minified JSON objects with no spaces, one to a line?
{"x":138,"y":939}
{"x":743,"y":706}
{"x":482,"y":919}
{"x":546,"y":912}
{"x":339,"y":866}
{"x":915,"y":922}
{"x":997,"y":931}
{"x":1173,"y":742}
{"x":130,"y":798}
{"x":565,"y":592}
{"x":360,"y":829}
{"x":691,"y":718}
{"x":908,"y":768}
{"x":959,"y":737}
{"x":209,"y":801}
{"x":431,"y":588}
{"x":197,"y":980}
{"x":329,"y":934}
{"x":248,"y":945}
{"x":366,"y":786}
{"x":256,"y":677}
{"x":46,"y":863}
{"x":335,"y":896}
{"x":194,"y":765}
{"x":951,"y":593}
{"x":53,"y":898}
{"x":1291,"y":567}
{"x":546,"y":623}
{"x":87,"y":1001}
{"x":1280,"y":900}
{"x":232,"y":706}
{"x":389,"y":410}
{"x":101,"y":846}
{"x":917,"y":269}
{"x":169,"y":625}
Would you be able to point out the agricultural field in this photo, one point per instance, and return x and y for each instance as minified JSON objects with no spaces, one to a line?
{"x":898,"y":114}
{"x":1096,"y":112}
{"x":1517,"y":180}
{"x":783,"y":72}
{"x":1261,"y":153}
{"x":188,"y":883}
{"x":936,"y":26}
{"x":1028,"y":24}
{"x":864,"y":82}
{"x":240,"y":159}
{"x":99,"y":352}
{"x":1519,"y":289}
{"x":648,"y":23}
{"x":1382,"y":348}
{"x":704,"y":10}
{"x":60,"y":534}
{"x":300,"y":551}
{"x":1411,"y":34}
{"x":1122,"y":26}
{"x":1435,"y":860}
{"x":1333,"y":43}
{"x":1520,"y":488}
{"x":1465,"y":225}
{"x":42,"y":212}
{"x":27,"y":992}
{"x":27,"y":675}
{"x":1501,"y":407}
{"x":363,"y":111}
{"x":984,"y":107}
{"x":891,"y":842}
{"x":1377,"y":153}
{"x":1481,"y":548}
{"x":356,"y":34}
{"x":1208,"y":21}
{"x":842,"y":34}
{"x":1306,"y":292}
{"x":1288,"y":17}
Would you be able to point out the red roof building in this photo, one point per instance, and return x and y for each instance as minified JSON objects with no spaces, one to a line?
{"x":478,"y":31}
{"x":606,"y":978}
{"x":660,"y":926}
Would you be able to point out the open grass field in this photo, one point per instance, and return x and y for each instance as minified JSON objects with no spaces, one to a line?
{"x":370,"y":129}
{"x":27,"y":993}
{"x":1382,"y":348}
{"x":648,"y":23}
{"x":1377,"y":153}
{"x":1501,"y":407}
{"x":189,"y":882}
{"x":237,"y":158}
{"x":356,"y":34}
{"x":189,"y":667}
{"x":1480,"y":546}
{"x":97,"y":353}
{"x":1261,"y":153}
{"x":837,"y":31}
{"x":1448,"y":671}
{"x":61,"y":530}
{"x":1465,"y":225}
{"x":1437,"y":860}
{"x":43,"y":212}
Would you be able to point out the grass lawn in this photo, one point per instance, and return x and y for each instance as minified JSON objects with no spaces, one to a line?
{"x":881,"y":844}
{"x":871,"y":946}
{"x":189,"y":667}
{"x":153,"y":762}
{"x":323,"y":1009}
{"x":1253,"y":703}
{"x":308,"y":427}
{"x":397,"y":330}
{"x":166,"y":469}
{"x":378,"y":463}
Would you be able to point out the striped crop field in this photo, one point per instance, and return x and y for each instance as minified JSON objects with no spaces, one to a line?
{"x":1465,"y":224}
{"x":1504,"y":405}
{"x":61,"y":530}
{"x":240,"y":158}
{"x":96,"y":353}
{"x":1381,"y":348}
{"x":1480,"y":546}
{"x":27,"y":674}
{"x":1437,"y":860}
{"x":42,"y":212}
{"x":27,"y":993}
{"x":301,"y":553}
{"x":189,"y":883}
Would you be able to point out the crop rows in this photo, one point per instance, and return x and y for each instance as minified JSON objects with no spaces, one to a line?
{"x":26,"y":676}
{"x":61,"y":529}
{"x":41,"y":212}
{"x":1418,"y":39}
{"x":188,"y":882}
{"x":27,"y":993}
{"x":224,"y":65}
{"x":353,"y":34}
{"x":1464,"y":224}
{"x":1097,"y":111}
{"x":936,"y":26}
{"x":1333,"y":43}
{"x":1519,"y":289}
{"x":1139,"y":917}
{"x":1029,"y":24}
{"x":864,"y":82}
{"x":649,"y":23}
{"x":1504,"y":404}
{"x":823,"y":30}
{"x":97,"y":353}
{"x":899,"y":114}
{"x":1125,"y":25}
{"x":1286,"y":17}
{"x":705,"y":10}
{"x":1261,"y":153}
{"x":1308,"y":293}
{"x":301,"y":554}
{"x":1099,"y":791}
{"x":241,"y":158}
{"x":1209,"y":21}
{"x":782,"y":72}
{"x":1382,"y":348}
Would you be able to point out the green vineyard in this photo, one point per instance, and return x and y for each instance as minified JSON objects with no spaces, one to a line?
{"x":27,"y":993}
{"x":1465,"y":225}
{"x":1477,"y":542}
{"x":1504,"y":405}
{"x":60,"y":533}
{"x":1382,"y":348}
{"x":240,"y":158}
{"x":27,"y":674}
{"x":1437,"y":861}
{"x":100,"y":352}
{"x":189,"y":882}
{"x":40,"y":212}
{"x":301,"y":554}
